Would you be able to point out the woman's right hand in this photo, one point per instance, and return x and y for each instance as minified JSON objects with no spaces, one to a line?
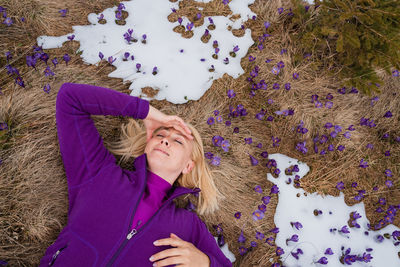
{"x":156,"y":118}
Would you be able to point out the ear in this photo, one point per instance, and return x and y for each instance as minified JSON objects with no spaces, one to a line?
{"x":189,"y":167}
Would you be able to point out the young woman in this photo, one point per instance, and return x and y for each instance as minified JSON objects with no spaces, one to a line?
{"x":115,"y":214}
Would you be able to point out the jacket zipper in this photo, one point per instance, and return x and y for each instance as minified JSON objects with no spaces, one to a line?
{"x":134,"y":231}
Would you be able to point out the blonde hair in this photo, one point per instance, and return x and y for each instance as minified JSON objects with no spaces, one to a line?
{"x":133,"y":143}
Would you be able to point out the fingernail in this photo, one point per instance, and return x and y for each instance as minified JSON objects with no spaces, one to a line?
{"x":154,"y":264}
{"x":151,"y":258}
{"x":155,"y":242}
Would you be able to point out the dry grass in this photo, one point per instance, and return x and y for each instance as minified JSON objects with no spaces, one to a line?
{"x":33,"y":187}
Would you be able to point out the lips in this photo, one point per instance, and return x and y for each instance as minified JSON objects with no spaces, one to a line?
{"x":162,"y":151}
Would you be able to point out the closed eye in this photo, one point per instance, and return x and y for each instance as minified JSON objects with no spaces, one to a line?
{"x":175,"y":140}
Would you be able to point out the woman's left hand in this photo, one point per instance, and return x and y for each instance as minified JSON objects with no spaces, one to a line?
{"x":184,"y":253}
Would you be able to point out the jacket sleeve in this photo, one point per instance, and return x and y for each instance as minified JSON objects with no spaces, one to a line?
{"x":81,"y":146}
{"x":205,"y":242}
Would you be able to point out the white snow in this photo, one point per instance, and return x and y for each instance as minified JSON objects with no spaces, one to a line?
{"x":315,"y":237}
{"x":180,"y":74}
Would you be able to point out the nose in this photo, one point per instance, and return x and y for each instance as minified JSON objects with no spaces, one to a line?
{"x":164,"y":141}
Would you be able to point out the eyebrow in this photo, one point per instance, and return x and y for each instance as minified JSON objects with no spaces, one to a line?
{"x":167,"y":129}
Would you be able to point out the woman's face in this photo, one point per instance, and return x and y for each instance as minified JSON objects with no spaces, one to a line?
{"x":168,"y":153}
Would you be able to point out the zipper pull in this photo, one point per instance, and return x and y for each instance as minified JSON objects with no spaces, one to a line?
{"x":134,"y":231}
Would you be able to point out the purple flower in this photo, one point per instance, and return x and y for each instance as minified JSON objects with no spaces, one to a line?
{"x":180,"y":20}
{"x":370,"y":146}
{"x":323,"y":260}
{"x":274,"y":189}
{"x":54,"y":61}
{"x":226,"y":60}
{"x":238,"y":215}
{"x":275,"y":86}
{"x":231,"y":93}
{"x":46,"y":88}
{"x":71,"y":37}
{"x":269,"y":241}
{"x":227,"y":123}
{"x":379,"y":238}
{"x":388,"y":173}
{"x":294,"y":238}
{"x":342,"y":90}
{"x":328,"y":104}
{"x":66,"y":58}
{"x":297,"y":225}
{"x":138,"y":65}
{"x":31,"y":61}
{"x":242,"y":250}
{"x":225,"y":145}
{"x":266,"y":199}
{"x":259,"y":235}
{"x":254,"y":161}
{"x":258,"y":189}
{"x":241,"y":238}
{"x":144,"y":36}
{"x":121,"y":6}
{"x":48,"y":72}
{"x":340,"y":147}
{"x":283,"y":51}
{"x":389,"y":183}
{"x":111,"y":59}
{"x":388,"y":114}
{"x":3,"y":126}
{"x":328,"y":251}
{"x":267,"y":24}
{"x":215,"y":161}
{"x":340,"y":185}
{"x":344,"y":230}
{"x":280,"y":64}
{"x":387,"y":153}
{"x":218,"y":119}
{"x":19,"y":81}
{"x":279,"y":251}
{"x":302,"y":147}
{"x":347,"y":135}
{"x":363,"y":164}
{"x":118,"y":15}
{"x":100,"y":17}
{"x":208,"y":155}
{"x":258,"y":215}
{"x":8,"y":21}
{"x":295,"y":75}
{"x":189,"y":26}
{"x":287,"y":86}
{"x":225,"y":2}
{"x":236,"y":48}
{"x":63,"y":12}
{"x":217,"y":140}
{"x":275,"y":70}
{"x":210,"y":121}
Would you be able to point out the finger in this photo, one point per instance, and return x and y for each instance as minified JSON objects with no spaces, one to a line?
{"x":183,"y":124}
{"x":178,"y":127}
{"x":170,"y":261}
{"x":170,"y":241}
{"x":166,"y":253}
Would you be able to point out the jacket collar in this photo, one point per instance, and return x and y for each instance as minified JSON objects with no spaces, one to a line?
{"x":140,"y":163}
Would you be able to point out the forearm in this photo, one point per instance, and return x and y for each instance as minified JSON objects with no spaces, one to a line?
{"x":96,"y":100}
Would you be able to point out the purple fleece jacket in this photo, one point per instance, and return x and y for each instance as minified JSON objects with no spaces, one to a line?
{"x":103,"y":197}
